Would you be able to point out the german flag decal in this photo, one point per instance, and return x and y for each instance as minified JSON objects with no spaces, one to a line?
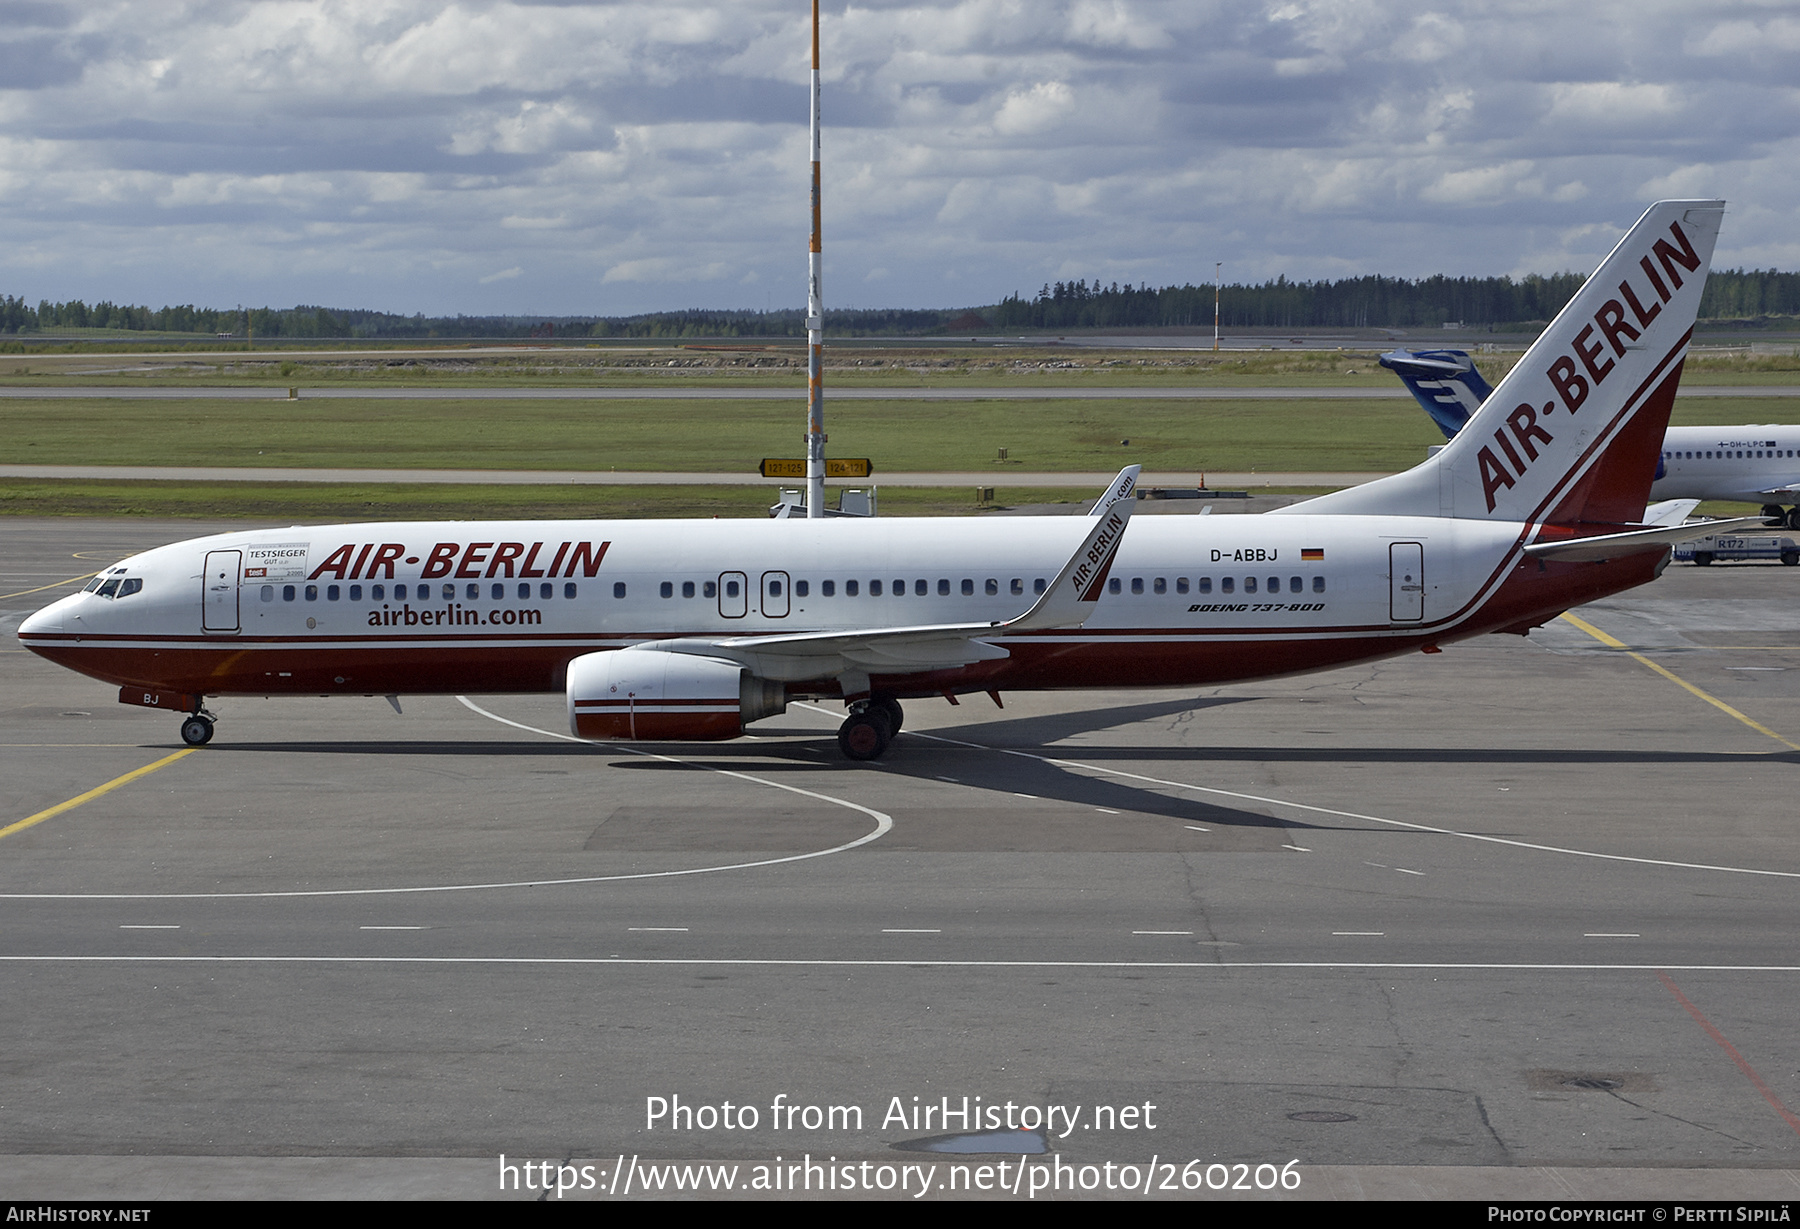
{"x":1316,"y":552}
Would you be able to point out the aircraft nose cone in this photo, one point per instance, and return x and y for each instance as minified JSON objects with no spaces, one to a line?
{"x":49,"y":619}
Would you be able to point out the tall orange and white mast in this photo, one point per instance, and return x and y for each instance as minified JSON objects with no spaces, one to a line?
{"x":815,"y":317}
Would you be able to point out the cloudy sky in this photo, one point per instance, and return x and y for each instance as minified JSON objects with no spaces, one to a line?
{"x":615,"y":158}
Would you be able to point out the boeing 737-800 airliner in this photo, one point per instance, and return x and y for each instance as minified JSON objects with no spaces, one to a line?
{"x":693,"y":629}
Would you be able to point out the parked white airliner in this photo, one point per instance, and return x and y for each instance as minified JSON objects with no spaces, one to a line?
{"x":692,"y":629}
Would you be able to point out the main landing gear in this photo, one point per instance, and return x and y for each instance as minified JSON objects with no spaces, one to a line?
{"x":197,"y":729}
{"x":1779,"y":516}
{"x":870,"y":727}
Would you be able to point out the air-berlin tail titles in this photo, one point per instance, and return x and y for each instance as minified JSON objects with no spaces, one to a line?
{"x":1571,"y":386}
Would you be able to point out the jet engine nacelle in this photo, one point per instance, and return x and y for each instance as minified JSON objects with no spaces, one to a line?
{"x":636,"y":694}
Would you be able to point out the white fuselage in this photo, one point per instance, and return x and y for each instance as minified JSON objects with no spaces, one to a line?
{"x":472,"y":607}
{"x":1757,"y":464}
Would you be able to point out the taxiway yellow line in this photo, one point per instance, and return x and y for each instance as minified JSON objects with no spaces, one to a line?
{"x":1613,"y":643}
{"x":79,"y":799}
{"x":57,"y":585}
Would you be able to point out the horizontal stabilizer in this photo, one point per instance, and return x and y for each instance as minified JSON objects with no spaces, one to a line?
{"x":1615,"y":545}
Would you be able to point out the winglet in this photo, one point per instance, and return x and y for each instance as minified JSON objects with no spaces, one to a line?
{"x":1122,"y":486}
{"x":1075,"y":592}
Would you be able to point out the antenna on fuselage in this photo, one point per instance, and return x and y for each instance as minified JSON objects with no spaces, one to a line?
{"x":815,"y":317}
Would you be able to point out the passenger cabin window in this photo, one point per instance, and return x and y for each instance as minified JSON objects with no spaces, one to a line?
{"x":268,"y":593}
{"x":1039,"y":585}
{"x":667,"y":588}
{"x":802,"y":588}
{"x":850,"y":588}
{"x":828,"y":588}
{"x":568,"y":590}
{"x":1226,"y":585}
{"x":991,"y":587}
{"x":356,"y":593}
{"x":1205,"y":584}
{"x":1137,"y":585}
{"x":687,"y":588}
{"x":1113,"y":586}
{"x":1249,"y":584}
{"x":1181,"y":584}
{"x":332,"y":593}
{"x":1318,"y":584}
{"x":1017,"y":586}
{"x":287,"y":593}
{"x":619,"y":588}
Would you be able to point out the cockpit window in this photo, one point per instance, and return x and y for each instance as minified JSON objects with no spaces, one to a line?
{"x":131,"y":586}
{"x":94,"y":584}
{"x":109,"y":587}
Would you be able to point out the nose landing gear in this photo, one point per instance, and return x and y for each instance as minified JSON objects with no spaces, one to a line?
{"x":197,"y":729}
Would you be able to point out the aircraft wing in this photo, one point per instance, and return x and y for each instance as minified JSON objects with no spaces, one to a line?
{"x":1613,"y":545}
{"x":1066,"y":602}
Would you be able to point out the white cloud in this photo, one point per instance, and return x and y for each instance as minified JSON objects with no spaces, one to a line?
{"x":652,"y":154}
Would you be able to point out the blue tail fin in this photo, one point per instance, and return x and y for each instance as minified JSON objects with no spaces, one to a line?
{"x":1445,"y":383}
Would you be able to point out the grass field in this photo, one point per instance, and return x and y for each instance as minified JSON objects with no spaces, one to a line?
{"x":733,"y":436}
{"x":719,"y":436}
{"x":853,"y":364}
{"x":714,"y":436}
{"x":323,"y":502}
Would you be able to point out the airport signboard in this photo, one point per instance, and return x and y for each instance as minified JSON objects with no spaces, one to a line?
{"x":836,"y":467}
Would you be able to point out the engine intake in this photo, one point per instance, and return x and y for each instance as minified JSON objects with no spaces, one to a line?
{"x":650,"y":694}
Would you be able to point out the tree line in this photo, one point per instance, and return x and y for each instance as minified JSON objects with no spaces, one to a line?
{"x":1365,"y":302}
{"x":1358,"y":302}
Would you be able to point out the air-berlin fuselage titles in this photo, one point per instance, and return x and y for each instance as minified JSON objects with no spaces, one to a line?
{"x":464,"y":561}
{"x":693,"y":629}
